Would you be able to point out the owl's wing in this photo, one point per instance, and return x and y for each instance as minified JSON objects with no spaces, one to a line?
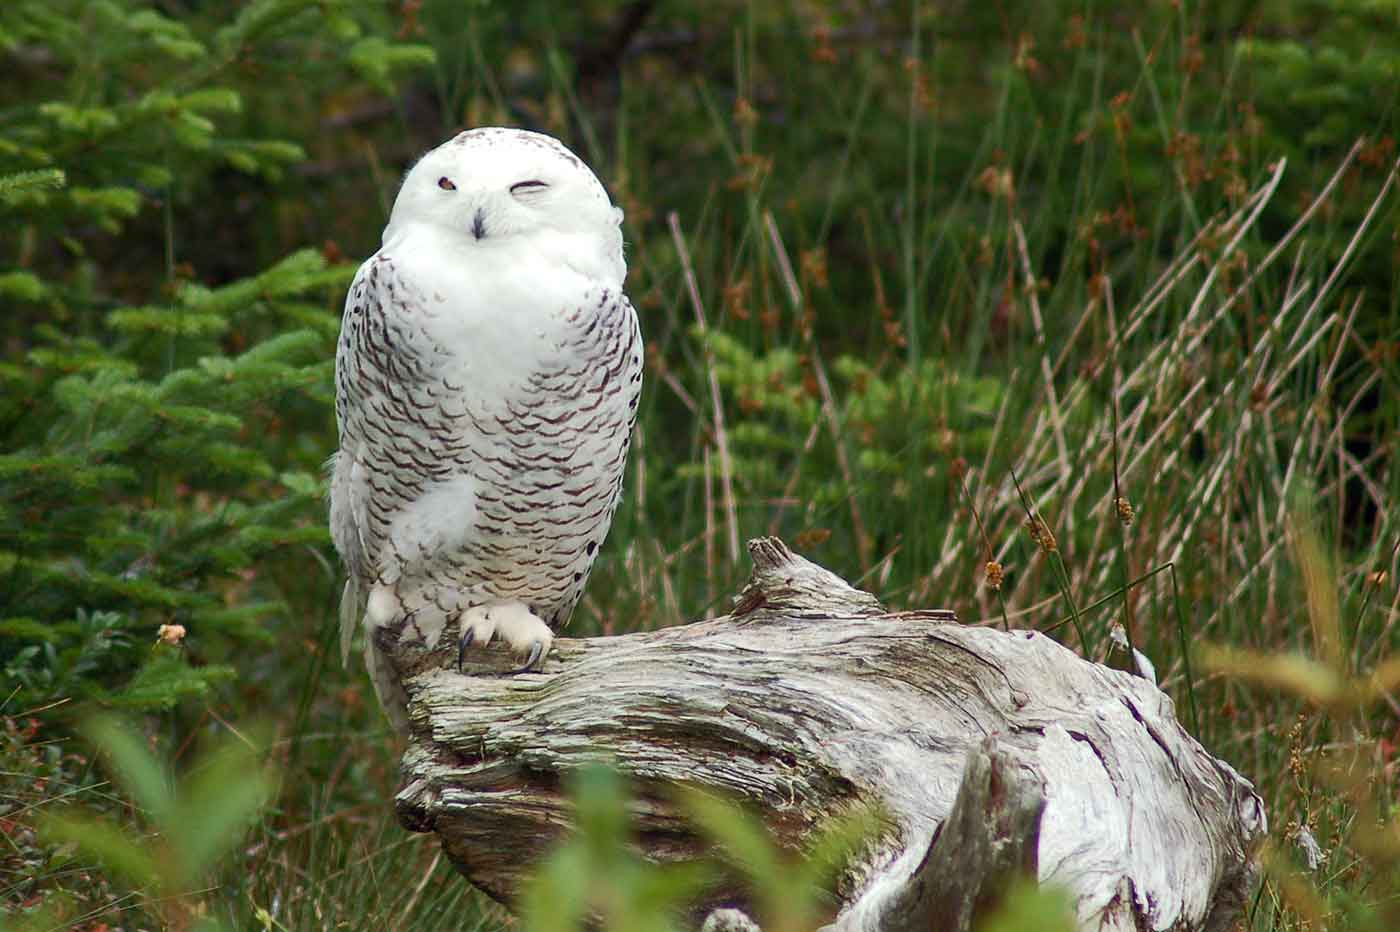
{"x":385,"y":410}
{"x":348,"y":494}
{"x":402,"y":489}
{"x":600,"y":387}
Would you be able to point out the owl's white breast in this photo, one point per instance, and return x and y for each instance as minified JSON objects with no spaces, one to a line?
{"x":499,"y":307}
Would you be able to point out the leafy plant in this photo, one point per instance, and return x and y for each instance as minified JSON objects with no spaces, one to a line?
{"x":791,"y":890}
{"x":1029,"y":906}
{"x":186,"y":825}
{"x":596,"y":876}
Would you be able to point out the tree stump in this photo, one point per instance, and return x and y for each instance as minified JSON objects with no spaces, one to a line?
{"x":993,"y":754}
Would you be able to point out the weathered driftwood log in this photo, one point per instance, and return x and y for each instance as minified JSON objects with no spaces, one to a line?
{"x":992,"y":753}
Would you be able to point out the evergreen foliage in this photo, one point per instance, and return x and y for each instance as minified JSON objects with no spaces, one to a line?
{"x":162,"y":434}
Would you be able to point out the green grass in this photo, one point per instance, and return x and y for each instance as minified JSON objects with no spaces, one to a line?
{"x":884,"y":265}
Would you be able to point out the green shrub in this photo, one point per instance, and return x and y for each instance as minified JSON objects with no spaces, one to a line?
{"x":162,"y":434}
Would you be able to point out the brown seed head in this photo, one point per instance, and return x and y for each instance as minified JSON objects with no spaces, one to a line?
{"x":997,"y":182}
{"x":995,"y":575}
{"x":1125,"y":510}
{"x":1040,"y":533}
{"x":744,"y":112}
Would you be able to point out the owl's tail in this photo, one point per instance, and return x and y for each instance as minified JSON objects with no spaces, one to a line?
{"x":387,"y":686}
{"x":351,"y":606}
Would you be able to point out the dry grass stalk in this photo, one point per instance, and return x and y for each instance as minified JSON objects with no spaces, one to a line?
{"x":726,"y":466}
{"x":828,"y":399}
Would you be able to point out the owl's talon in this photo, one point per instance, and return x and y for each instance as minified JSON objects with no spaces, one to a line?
{"x":513,"y":622}
{"x":536,"y":656}
{"x":462,"y":646}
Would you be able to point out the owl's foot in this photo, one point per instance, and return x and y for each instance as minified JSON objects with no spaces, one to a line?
{"x":512,"y":622}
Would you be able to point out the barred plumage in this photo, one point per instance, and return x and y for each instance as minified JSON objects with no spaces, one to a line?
{"x":487,"y":382}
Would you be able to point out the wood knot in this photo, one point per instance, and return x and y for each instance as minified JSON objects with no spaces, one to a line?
{"x":414,"y":804}
{"x":785,"y":581}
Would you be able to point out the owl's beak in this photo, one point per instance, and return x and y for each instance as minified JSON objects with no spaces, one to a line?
{"x":479,"y":223}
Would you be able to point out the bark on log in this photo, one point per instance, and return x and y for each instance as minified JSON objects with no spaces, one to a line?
{"x":993,"y":753}
{"x":989,"y":839}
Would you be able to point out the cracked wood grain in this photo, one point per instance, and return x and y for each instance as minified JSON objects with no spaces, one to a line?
{"x":810,"y":697}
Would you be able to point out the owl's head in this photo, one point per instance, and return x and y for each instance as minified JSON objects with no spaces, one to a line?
{"x":494,"y":186}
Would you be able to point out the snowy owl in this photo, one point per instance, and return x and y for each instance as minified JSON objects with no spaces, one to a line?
{"x":487,"y":380}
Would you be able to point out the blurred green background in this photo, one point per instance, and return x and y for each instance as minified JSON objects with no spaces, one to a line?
{"x":1145,"y":254}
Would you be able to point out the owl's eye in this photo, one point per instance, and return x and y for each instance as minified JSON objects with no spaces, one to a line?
{"x":446,"y":184}
{"x":528,"y":187}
